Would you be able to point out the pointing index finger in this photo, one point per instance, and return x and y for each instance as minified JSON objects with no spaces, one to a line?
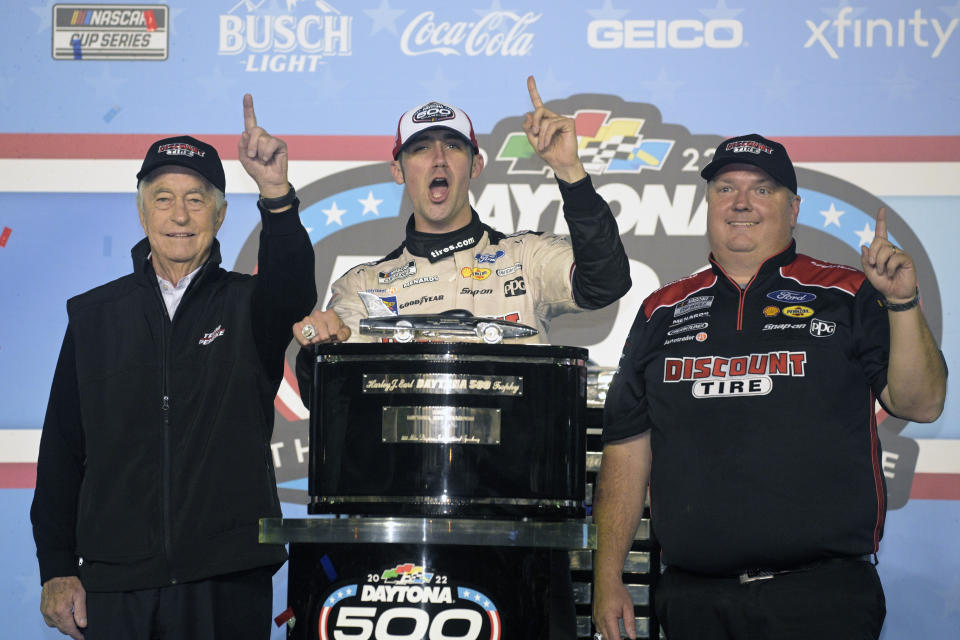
{"x":881,"y":231}
{"x":534,"y":94}
{"x":249,"y":116}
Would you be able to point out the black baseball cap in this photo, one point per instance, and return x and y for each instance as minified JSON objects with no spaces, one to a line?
{"x":185,"y":151}
{"x":769,"y":155}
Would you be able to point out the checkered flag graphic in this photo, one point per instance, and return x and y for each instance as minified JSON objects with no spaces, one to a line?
{"x":597,"y":154}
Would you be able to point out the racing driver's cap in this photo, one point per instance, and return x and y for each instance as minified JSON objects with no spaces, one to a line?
{"x":433,"y":115}
{"x":184,"y":151}
{"x":754,"y":149}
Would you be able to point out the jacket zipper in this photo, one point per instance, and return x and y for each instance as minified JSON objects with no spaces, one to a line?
{"x":166,"y":329}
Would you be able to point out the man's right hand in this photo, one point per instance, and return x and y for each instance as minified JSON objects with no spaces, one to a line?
{"x":611,"y":603}
{"x":324,"y":326}
{"x":63,"y":603}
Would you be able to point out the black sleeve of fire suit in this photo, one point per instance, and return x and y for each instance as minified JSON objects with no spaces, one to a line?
{"x":601,"y":273}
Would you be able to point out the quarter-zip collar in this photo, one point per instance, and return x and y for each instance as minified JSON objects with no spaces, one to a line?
{"x":143,"y":268}
{"x":770,"y":265}
{"x":437,"y":246}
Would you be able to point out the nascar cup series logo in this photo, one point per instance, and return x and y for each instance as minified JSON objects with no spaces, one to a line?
{"x":408,"y":601}
{"x":648,"y":172}
{"x":296,"y":40}
{"x":110,"y":32}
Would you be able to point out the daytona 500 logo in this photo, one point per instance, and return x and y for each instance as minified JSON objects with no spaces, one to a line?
{"x":381,"y":608}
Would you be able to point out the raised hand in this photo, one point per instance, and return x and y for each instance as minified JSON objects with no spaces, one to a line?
{"x":553,"y":137}
{"x":890,"y":270}
{"x":262,"y":156}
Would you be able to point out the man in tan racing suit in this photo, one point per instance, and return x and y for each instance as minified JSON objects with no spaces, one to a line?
{"x":451,"y":260}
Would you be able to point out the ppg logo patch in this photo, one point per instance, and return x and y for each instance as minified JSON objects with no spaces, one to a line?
{"x":515,"y":287}
{"x":822,"y":328}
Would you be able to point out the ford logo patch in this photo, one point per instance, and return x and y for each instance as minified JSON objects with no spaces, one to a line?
{"x":783,"y":295}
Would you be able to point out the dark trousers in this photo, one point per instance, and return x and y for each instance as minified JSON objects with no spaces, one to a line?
{"x":835,"y":600}
{"x":235,"y":606}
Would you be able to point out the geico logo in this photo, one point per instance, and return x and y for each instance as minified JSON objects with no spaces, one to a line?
{"x":664,"y":34}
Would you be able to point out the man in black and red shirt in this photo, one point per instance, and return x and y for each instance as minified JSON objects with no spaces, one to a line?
{"x":745,"y":396}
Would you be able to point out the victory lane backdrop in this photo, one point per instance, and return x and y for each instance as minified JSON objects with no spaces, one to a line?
{"x":861,"y":94}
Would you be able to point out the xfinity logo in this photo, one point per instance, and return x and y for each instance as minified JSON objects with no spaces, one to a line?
{"x":879,"y":32}
{"x":664,"y":34}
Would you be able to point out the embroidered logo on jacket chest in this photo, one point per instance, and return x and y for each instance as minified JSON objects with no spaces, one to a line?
{"x":213,"y":335}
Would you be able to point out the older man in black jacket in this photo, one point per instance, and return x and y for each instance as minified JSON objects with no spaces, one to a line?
{"x":155,"y":463}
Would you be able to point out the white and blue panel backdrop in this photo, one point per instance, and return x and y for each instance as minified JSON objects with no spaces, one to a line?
{"x":864,"y":95}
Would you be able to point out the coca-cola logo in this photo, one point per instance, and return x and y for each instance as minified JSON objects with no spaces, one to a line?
{"x":498,"y":33}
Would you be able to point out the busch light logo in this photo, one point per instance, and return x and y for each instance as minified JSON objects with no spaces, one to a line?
{"x":292,"y":41}
{"x":822,"y":328}
{"x":793,"y":297}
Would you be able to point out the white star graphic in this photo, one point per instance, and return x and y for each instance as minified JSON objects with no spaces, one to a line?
{"x":866,"y":236}
{"x":901,"y":85}
{"x":607,"y":12}
{"x":779,"y":88}
{"x":174,"y":14}
{"x":107,"y":86}
{"x":662,"y":89}
{"x":494,"y":8}
{"x":720,"y":12}
{"x":370,"y":204}
{"x":831,"y":216}
{"x":952,"y":11}
{"x":214,"y":83}
{"x":45,"y":13}
{"x":384,"y":17}
{"x":439,"y":79}
{"x":334,"y":213}
{"x":833,"y":12}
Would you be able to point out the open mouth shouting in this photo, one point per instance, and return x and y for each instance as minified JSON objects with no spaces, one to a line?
{"x":439,"y":188}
